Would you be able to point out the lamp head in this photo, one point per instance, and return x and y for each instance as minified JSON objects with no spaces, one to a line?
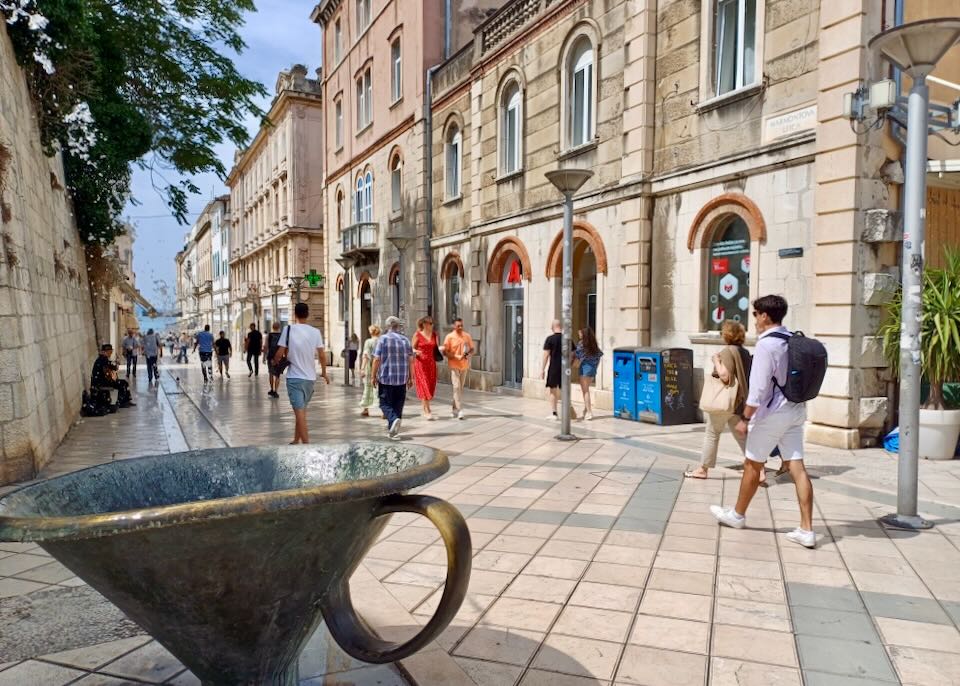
{"x":915,"y":48}
{"x":568,"y":181}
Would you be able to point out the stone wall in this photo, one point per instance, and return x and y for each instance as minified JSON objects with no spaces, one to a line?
{"x":47,"y":341}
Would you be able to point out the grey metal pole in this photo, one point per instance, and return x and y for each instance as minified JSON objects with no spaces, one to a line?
{"x":567,"y":317}
{"x":914,"y":203}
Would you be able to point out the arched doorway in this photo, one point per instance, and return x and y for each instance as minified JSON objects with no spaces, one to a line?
{"x":511,"y":283}
{"x":589,"y":260}
{"x":366,"y":310}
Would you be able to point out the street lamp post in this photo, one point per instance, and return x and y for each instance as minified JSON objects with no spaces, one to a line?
{"x":347,"y":264}
{"x":568,"y":182}
{"x":915,"y":49}
{"x":296,"y":283}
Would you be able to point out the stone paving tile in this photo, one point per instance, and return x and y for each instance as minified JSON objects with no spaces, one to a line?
{"x":653,"y":667}
{"x":486,"y":673}
{"x":92,"y":657}
{"x":823,"y":622}
{"x":152,"y":663}
{"x":847,"y":658}
{"x":920,"y":667}
{"x":577,"y":656}
{"x":731,"y":672}
{"x":670,"y":634}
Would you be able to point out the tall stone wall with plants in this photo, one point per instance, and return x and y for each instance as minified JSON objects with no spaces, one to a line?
{"x":47,"y":342}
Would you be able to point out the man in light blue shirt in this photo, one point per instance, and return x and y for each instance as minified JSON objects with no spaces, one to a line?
{"x":393,"y":373}
{"x":770,"y":421}
{"x":205,"y":344}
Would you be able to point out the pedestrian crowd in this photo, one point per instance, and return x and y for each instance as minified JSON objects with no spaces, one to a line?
{"x":759,"y":398}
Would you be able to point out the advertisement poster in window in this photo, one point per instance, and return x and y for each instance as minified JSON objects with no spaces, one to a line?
{"x":728,"y":284}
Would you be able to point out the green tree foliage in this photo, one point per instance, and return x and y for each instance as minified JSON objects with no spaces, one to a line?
{"x":145,"y":82}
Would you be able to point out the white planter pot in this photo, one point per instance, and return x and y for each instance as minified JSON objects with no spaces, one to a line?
{"x":939,"y":430}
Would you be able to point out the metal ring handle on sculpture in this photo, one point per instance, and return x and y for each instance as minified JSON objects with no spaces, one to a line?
{"x":350,"y":631}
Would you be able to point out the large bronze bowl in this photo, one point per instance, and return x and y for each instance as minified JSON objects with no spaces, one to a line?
{"x":231,"y":558}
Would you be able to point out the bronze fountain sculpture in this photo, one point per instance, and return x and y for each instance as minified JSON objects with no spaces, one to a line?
{"x":231,"y":558}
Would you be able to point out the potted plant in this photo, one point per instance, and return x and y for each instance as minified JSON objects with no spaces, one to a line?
{"x":939,"y":354}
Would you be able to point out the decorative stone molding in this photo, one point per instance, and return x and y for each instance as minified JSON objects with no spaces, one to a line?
{"x":451,"y":258}
{"x":878,"y":288}
{"x":500,"y":255}
{"x":718,"y":209}
{"x":882,"y":226}
{"x":584,"y":232}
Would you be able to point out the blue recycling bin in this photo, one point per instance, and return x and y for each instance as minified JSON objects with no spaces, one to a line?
{"x":654,"y":385}
{"x":625,"y":383}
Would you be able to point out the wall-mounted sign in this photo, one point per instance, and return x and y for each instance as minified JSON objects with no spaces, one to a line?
{"x":789,"y":123}
{"x":784,"y":253}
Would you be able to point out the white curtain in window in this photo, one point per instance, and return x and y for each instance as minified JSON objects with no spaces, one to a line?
{"x":339,"y":123}
{"x":361,"y":103}
{"x":581,"y":93}
{"x":337,"y":41}
{"x":395,"y":61}
{"x":453,"y":162}
{"x":368,"y":100}
{"x":368,"y":198}
{"x":735,"y":43}
{"x":511,"y":129}
{"x":395,"y":187}
{"x":358,"y":201}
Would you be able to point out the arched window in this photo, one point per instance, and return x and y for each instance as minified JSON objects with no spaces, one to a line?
{"x":338,"y":123}
{"x":728,"y":274}
{"x":395,"y":289}
{"x":452,"y":276}
{"x":453,"y":150}
{"x":341,"y":300}
{"x":580,"y":93}
{"x":510,"y":133}
{"x":339,"y":212}
{"x":358,"y":201}
{"x":396,"y":71}
{"x":396,"y":183}
{"x":368,"y":197}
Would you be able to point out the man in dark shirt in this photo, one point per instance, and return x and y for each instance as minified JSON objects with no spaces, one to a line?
{"x":224,"y":351}
{"x":273,"y":342}
{"x":253,"y":345}
{"x":104,"y":376}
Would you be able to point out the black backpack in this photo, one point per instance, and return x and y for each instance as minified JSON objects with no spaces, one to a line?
{"x":806,"y":367}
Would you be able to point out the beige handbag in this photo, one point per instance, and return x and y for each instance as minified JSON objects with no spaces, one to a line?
{"x":718,"y":397}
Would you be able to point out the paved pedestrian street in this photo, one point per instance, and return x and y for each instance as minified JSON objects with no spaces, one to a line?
{"x":595,"y":561}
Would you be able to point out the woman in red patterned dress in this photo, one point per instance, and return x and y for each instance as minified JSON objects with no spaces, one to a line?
{"x":424,"y":343}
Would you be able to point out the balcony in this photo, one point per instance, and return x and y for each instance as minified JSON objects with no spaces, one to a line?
{"x":361,"y":242}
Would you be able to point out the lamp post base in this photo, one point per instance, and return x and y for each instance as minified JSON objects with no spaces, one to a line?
{"x":566,"y":437}
{"x":905,"y":522}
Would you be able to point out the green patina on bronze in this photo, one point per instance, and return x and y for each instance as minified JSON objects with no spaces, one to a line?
{"x":231,"y":558}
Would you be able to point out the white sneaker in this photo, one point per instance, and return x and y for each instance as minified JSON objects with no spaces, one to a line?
{"x":394,"y":427}
{"x":727,"y":516}
{"x":454,"y":414}
{"x":588,"y":416}
{"x":807,"y":539}
{"x":460,"y":415}
{"x":555,"y":417}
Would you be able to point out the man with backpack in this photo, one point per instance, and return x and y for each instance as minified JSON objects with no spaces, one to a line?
{"x":787,"y":371}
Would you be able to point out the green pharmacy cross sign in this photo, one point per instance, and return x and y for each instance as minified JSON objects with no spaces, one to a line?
{"x":313,"y":278}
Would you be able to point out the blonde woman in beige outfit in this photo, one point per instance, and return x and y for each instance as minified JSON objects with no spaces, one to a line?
{"x":731,"y":363}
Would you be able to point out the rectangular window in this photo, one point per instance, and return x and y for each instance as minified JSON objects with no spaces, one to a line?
{"x":395,"y":74}
{"x":512,"y":138}
{"x":361,"y":104}
{"x":338,"y":123}
{"x":735,"y":41}
{"x":368,"y":85}
{"x":395,"y":188}
{"x":453,"y":167}
{"x":337,"y":42}
{"x":582,"y":104}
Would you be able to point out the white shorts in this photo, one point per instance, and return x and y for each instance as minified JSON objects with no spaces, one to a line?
{"x":783,"y":428}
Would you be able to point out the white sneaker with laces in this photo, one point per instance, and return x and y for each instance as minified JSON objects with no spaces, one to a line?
{"x":394,"y":427}
{"x":808,"y":539}
{"x":728,"y":517}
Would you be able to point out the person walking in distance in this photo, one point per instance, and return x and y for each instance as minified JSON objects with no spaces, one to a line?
{"x":425,"y":346}
{"x":457,"y":348}
{"x":152,"y":350}
{"x":587,"y":356}
{"x":184,"y":344}
{"x":273,"y":342}
{"x":551,"y":366}
{"x":731,"y":365}
{"x":224,"y":351}
{"x":393,"y":373}
{"x":366,"y":365}
{"x":253,"y":346}
{"x":131,"y":350}
{"x":205,"y":343}
{"x":353,"y":349}
{"x":301,"y":344}
{"x":770,"y":420}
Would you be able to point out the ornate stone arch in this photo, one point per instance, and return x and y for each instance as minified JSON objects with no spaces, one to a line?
{"x":362,"y":279}
{"x":501,"y":252}
{"x":585,"y":232}
{"x":452,"y":258}
{"x":716,"y":210}
{"x":394,"y":272}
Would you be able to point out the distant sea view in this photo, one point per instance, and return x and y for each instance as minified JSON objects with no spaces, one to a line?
{"x":158,"y":324}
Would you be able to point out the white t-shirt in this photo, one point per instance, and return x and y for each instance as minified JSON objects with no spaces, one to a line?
{"x":301,"y":342}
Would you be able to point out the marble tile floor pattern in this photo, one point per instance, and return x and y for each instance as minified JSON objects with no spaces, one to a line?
{"x":595,"y":561}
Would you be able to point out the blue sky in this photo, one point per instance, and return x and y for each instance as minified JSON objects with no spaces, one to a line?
{"x":278,"y":35}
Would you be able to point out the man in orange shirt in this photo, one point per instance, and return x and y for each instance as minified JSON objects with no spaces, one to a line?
{"x":457,"y":347}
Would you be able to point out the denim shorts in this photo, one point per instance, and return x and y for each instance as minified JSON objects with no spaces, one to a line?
{"x":588,"y":369}
{"x":299,"y":391}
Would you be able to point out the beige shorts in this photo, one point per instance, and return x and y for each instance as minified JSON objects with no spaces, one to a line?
{"x":783,"y":428}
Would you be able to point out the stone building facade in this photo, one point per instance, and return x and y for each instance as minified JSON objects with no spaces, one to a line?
{"x":544,"y":85}
{"x":276,"y":211}
{"x":374,"y":87}
{"x":48,"y":345}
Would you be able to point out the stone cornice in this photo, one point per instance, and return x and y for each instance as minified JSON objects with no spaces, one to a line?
{"x":322,"y":12}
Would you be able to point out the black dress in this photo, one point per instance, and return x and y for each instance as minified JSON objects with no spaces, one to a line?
{"x":554,"y":344}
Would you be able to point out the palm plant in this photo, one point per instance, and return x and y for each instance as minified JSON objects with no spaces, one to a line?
{"x":939,"y":329}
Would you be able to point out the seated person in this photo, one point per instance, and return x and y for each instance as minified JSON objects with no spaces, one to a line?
{"x":104,"y":384}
